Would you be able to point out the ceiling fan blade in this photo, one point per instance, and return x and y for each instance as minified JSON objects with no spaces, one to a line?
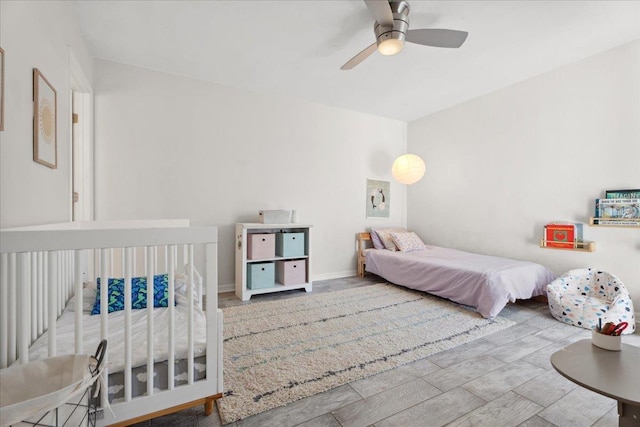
{"x":359,"y":57}
{"x":381,"y":11}
{"x":437,"y":37}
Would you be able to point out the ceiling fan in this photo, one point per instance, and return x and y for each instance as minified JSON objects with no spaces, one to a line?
{"x":392,"y":30}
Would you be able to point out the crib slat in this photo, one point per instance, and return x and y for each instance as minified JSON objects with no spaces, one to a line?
{"x":23,"y":276}
{"x":41,"y":294}
{"x":33,"y":283}
{"x":52,"y":276}
{"x":104,"y":311}
{"x":13,"y":337}
{"x":190,"y":317}
{"x":150,"y":271}
{"x":172,"y":271}
{"x":77,"y":281}
{"x":4,"y":310}
{"x":128,"y":264}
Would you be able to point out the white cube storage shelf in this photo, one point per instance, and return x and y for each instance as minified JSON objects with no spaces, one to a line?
{"x":287,"y":247}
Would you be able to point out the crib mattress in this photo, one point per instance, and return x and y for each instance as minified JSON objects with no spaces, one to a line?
{"x":65,"y":331}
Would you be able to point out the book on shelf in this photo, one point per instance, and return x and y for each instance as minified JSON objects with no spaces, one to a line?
{"x":563,"y":234}
{"x":622,"y":194}
{"x":622,"y":221}
{"x":618,"y":208}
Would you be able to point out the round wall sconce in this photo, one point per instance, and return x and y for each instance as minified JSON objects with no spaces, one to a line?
{"x":408,"y":169}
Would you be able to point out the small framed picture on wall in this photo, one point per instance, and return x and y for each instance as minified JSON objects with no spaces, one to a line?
{"x":378,"y":199}
{"x":44,"y":124}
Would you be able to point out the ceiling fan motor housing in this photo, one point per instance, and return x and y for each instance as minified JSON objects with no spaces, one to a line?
{"x":400,"y":11}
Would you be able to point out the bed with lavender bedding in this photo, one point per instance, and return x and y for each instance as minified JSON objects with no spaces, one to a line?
{"x":484,"y":282}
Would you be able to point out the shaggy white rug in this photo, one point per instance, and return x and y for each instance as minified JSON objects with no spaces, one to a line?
{"x":280,"y":351}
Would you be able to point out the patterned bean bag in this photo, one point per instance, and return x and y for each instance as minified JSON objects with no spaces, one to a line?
{"x":581,"y":297}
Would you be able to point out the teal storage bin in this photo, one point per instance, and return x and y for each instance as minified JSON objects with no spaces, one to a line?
{"x":290,"y":244}
{"x":261,"y":275}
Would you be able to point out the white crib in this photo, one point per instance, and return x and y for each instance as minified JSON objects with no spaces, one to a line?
{"x":46,"y":276}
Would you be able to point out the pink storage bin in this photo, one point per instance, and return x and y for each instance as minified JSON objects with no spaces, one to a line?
{"x":261,"y":246}
{"x":293,"y":272}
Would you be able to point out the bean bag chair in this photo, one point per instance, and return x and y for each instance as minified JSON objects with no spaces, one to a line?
{"x":581,"y":297}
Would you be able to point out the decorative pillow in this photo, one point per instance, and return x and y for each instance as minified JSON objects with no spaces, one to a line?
{"x":386,"y":239}
{"x":115,"y":293}
{"x":375,"y":239}
{"x":408,"y":242}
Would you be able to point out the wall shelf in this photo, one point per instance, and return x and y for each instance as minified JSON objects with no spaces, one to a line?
{"x":615,"y":222}
{"x":577,"y":246}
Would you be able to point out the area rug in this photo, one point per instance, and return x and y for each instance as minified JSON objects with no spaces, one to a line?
{"x":280,"y":351}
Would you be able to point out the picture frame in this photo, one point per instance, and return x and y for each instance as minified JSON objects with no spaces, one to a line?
{"x":1,"y":89}
{"x":378,"y":200}
{"x":45,"y":149}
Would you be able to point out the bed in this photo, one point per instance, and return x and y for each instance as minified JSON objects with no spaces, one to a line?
{"x":52,"y":303}
{"x":486,"y":283}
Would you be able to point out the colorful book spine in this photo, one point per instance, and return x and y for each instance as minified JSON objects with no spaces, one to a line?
{"x":623,"y":194}
{"x":627,"y":222}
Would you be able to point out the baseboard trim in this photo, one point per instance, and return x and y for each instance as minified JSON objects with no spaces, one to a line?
{"x":231,"y":287}
{"x":336,"y":275}
{"x":227,"y":287}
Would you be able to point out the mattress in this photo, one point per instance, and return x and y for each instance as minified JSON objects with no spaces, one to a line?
{"x":484,"y":282}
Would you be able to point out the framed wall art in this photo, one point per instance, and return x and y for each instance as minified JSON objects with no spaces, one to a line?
{"x":378,"y":199}
{"x":45,"y":147}
{"x":1,"y":89}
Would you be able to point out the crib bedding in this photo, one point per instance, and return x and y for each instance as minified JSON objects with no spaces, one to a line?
{"x":484,"y":282}
{"x":65,"y":331}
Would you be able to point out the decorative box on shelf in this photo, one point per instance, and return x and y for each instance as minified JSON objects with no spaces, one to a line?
{"x":567,"y":236}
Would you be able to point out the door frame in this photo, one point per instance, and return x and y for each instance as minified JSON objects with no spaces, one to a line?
{"x":82,"y":160}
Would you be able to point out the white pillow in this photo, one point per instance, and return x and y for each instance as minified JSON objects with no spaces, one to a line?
{"x":387,"y":240}
{"x":88,"y":299}
{"x":408,"y":242}
{"x":181,"y":287}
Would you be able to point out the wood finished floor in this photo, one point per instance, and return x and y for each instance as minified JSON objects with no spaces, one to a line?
{"x":503,"y":379}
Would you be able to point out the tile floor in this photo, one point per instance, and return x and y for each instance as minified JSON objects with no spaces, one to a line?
{"x":503,"y":379}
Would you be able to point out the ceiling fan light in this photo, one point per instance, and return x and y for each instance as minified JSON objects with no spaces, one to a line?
{"x":390,"y":46}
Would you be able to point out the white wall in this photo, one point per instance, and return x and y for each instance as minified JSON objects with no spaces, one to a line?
{"x":173,"y":147}
{"x":501,"y":166}
{"x":36,"y":34}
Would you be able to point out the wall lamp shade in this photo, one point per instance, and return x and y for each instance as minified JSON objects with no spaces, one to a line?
{"x":408,"y":169}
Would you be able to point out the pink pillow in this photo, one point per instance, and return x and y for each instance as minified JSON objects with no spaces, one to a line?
{"x":386,"y":239}
{"x":375,"y":239}
{"x":408,"y":242}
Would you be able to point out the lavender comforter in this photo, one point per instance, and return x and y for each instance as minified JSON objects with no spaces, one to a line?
{"x":481,"y":281}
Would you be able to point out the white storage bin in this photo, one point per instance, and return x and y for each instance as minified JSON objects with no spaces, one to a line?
{"x":275,"y":217}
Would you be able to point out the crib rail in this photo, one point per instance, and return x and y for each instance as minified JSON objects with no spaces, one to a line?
{"x":41,"y":269}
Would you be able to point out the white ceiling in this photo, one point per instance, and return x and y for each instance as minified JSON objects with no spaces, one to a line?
{"x":295,"y":48}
